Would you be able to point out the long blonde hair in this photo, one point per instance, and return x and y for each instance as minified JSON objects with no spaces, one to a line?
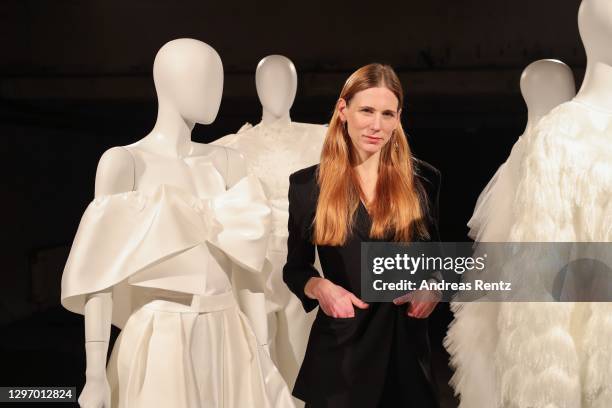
{"x":396,"y":207}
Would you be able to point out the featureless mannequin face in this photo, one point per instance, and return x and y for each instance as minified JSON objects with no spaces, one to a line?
{"x":188,"y":76}
{"x":595,"y":24}
{"x":545,"y":84}
{"x":276,"y":83}
{"x":371,"y":117}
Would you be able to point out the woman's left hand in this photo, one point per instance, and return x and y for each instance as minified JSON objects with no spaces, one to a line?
{"x":421,"y":302}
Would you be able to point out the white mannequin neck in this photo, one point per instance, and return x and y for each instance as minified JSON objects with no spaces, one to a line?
{"x":268,"y":118}
{"x":595,"y":25}
{"x":596,"y":89}
{"x":171,"y":135}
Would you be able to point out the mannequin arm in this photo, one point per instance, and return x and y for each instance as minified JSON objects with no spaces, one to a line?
{"x":115,"y":174}
{"x":98,"y":311}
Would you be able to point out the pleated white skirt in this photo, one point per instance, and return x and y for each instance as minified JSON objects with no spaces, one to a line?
{"x":202,"y":355}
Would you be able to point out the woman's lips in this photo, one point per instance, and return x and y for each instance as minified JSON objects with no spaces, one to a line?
{"x":373,"y":139}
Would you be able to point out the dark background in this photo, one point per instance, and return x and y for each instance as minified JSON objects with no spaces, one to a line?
{"x":75,"y":80}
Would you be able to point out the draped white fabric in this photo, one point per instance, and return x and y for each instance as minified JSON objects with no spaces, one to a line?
{"x":170,"y":355}
{"x":170,"y":240}
{"x":158,"y":251}
{"x":494,"y":211}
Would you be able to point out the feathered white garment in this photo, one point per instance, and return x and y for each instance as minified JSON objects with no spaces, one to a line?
{"x":494,"y":211}
{"x":547,"y":355}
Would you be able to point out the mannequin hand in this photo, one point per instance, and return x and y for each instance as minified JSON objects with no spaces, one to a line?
{"x":422,"y":302}
{"x":334,"y":300}
{"x":96,"y":393}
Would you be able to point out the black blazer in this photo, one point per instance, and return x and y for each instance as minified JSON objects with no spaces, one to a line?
{"x":351,"y":358}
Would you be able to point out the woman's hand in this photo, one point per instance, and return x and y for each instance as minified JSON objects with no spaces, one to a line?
{"x":334,"y":300}
{"x":422,"y":302}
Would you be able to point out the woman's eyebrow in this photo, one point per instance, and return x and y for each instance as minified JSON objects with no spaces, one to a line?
{"x":383,"y":110}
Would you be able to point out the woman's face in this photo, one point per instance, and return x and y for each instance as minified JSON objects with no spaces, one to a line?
{"x":371,"y":117}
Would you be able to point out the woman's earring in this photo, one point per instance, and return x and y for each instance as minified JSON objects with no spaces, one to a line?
{"x":394,"y":137}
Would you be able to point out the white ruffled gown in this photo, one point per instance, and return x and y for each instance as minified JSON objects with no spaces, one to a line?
{"x":166,"y":253}
{"x":272,"y":152}
{"x":546,"y":355}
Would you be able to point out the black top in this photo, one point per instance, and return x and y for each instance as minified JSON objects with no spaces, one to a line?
{"x":378,"y":338}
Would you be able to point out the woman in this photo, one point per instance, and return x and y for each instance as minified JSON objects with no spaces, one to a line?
{"x":367,"y":187}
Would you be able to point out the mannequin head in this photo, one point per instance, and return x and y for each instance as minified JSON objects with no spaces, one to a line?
{"x":546,"y":84}
{"x":276,"y":83}
{"x":188,"y":76}
{"x":595,"y":25}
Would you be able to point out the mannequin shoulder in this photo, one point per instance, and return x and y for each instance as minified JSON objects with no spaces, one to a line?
{"x":227,"y":140}
{"x":207,"y":149}
{"x":214,"y":149}
{"x":230,"y":162}
{"x":115,"y":173}
{"x":311,"y":128}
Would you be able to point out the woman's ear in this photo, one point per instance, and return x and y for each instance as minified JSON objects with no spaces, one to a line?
{"x":341,"y":106}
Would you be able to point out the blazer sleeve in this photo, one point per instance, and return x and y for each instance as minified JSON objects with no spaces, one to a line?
{"x":300,"y":249}
{"x":431,"y":179}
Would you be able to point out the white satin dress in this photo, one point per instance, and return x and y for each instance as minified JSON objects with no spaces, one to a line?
{"x":166,"y":252}
{"x":272,"y":152}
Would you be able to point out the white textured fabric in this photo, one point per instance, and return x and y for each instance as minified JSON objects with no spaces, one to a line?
{"x":494,"y":211}
{"x":156,"y":249}
{"x":546,"y":355}
{"x":273,"y":152}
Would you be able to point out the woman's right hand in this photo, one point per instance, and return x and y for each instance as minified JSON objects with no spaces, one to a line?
{"x":334,"y":300}
{"x":96,"y":393}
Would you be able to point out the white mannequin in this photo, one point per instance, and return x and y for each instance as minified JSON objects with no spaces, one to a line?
{"x":473,"y":337}
{"x":188,"y":76}
{"x":545,"y":84}
{"x":595,"y":25}
{"x":275,"y":148}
